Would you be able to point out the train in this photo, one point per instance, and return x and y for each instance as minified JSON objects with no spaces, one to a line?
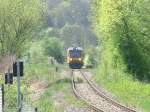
{"x":75,"y":56}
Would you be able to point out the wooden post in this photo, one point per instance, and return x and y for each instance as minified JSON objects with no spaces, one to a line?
{"x":56,"y":69}
{"x":36,"y":109}
{"x":3,"y":103}
{"x":1,"y":98}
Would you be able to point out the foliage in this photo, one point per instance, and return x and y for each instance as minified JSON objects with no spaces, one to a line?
{"x":36,"y":53}
{"x":69,"y":12}
{"x":91,"y":56}
{"x":19,"y":20}
{"x":123,"y":26}
{"x":10,"y":95}
{"x":128,"y":92}
{"x":73,"y":35}
{"x":55,"y":86}
{"x":54,"y":47}
{"x":69,"y":20}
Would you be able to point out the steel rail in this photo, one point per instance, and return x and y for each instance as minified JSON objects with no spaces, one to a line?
{"x":80,"y":97}
{"x":117,"y":104}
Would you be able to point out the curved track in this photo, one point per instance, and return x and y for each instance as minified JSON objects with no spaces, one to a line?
{"x":98,"y":92}
{"x":117,"y":104}
{"x":80,"y":97}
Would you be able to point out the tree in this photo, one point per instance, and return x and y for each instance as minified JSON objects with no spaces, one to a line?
{"x":19,"y":20}
{"x":68,"y":12}
{"x":124,"y":30}
{"x":91,"y":56}
{"x":54,"y":47}
{"x":73,"y":35}
{"x":70,"y":21}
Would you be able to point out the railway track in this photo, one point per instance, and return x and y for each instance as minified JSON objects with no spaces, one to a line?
{"x":123,"y":108}
{"x":94,"y":107}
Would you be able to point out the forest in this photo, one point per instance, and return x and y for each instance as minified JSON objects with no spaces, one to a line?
{"x":70,"y":21}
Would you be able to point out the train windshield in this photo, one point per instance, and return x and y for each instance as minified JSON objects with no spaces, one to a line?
{"x":75,"y":54}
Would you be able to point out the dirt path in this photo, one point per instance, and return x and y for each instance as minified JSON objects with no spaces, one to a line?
{"x":37,"y":88}
{"x":60,"y":102}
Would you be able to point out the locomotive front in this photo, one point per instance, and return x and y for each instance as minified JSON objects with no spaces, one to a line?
{"x":75,"y":57}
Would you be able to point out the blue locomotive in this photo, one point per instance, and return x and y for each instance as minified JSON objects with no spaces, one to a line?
{"x":75,"y":57}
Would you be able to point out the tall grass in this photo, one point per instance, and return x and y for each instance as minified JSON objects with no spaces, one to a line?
{"x":128,"y":90}
{"x":58,"y":84}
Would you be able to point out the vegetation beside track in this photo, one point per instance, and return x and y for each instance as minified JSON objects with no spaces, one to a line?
{"x":57,"y":84}
{"x":39,"y":70}
{"x":127,"y":90}
{"x":123,"y":30}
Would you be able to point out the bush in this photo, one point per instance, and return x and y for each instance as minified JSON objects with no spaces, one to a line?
{"x":36,"y":53}
{"x":91,"y":56}
{"x":54,"y":47}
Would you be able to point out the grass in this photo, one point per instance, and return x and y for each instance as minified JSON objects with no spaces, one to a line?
{"x":47,"y":73}
{"x":126,"y":89}
{"x":41,"y":72}
{"x":10,"y":95}
{"x":46,"y":103}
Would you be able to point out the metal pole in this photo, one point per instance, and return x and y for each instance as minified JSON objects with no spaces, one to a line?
{"x":19,"y":85}
{"x":1,"y":100}
{"x":36,"y":109}
{"x":3,"y":96}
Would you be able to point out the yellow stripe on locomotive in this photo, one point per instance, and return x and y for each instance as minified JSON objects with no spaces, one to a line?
{"x":75,"y":57}
{"x":71,"y":60}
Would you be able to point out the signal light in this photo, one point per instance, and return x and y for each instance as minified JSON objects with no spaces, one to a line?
{"x":8,"y":78}
{"x":70,"y":59}
{"x":21,"y":68}
{"x":79,"y":59}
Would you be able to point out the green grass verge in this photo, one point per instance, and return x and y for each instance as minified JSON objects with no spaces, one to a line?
{"x":47,"y":73}
{"x":47,"y":104}
{"x":10,"y":94}
{"x":41,"y":72}
{"x":127,"y":89}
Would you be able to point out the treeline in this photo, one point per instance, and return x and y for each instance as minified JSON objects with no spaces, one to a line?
{"x":69,"y":20}
{"x":19,"y":21}
{"x":68,"y":23}
{"x":125,"y":36}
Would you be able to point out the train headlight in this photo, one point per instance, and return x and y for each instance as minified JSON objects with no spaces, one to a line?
{"x":80,"y":59}
{"x":70,"y":59}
